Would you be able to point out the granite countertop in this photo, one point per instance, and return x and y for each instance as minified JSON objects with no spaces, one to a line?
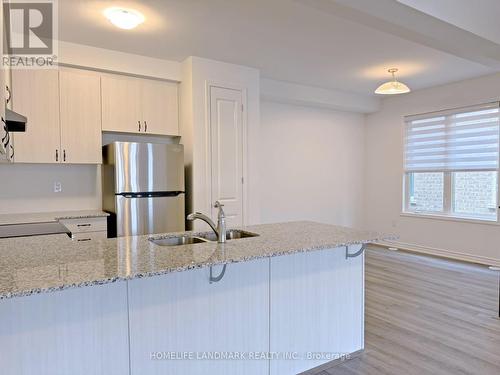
{"x":30,"y":265}
{"x":46,"y":217}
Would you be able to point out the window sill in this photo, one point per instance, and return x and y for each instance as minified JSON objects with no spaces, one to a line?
{"x":449,"y":218}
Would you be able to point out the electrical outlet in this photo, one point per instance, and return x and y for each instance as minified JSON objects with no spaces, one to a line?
{"x":57,"y":187}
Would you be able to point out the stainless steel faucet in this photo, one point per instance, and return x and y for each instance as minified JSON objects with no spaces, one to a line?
{"x":220,"y":229}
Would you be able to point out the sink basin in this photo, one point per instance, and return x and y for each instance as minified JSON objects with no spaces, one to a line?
{"x":231,"y":234}
{"x":178,"y":241}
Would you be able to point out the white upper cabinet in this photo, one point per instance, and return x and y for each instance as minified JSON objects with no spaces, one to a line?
{"x":121,"y":104}
{"x":4,"y":137}
{"x":64,"y":116}
{"x":160,"y":107}
{"x":134,"y":105}
{"x":67,"y":110}
{"x":35,"y":94}
{"x":80,"y":105}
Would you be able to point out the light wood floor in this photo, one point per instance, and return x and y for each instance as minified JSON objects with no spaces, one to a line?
{"x":426,"y":315}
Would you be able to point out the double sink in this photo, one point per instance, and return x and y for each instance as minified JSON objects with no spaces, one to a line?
{"x":187,"y":239}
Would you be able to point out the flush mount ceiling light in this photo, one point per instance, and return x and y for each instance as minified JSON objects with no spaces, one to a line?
{"x":124,"y":18}
{"x":392,"y":87}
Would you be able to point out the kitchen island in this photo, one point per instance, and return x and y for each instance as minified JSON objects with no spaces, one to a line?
{"x":290,"y":299}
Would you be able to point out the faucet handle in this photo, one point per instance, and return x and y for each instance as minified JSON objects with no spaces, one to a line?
{"x":219,"y":205}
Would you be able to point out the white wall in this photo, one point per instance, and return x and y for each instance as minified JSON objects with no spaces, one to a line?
{"x":80,"y":55}
{"x":30,"y":188}
{"x":198,"y":74}
{"x":311,"y":164}
{"x":384,"y":164}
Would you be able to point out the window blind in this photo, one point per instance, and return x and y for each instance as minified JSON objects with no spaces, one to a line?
{"x":455,"y":140}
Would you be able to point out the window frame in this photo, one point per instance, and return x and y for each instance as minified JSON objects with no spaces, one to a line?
{"x":448,"y":198}
{"x":447,"y":213}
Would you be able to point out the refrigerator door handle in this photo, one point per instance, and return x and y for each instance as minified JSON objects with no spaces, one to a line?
{"x":152,"y":194}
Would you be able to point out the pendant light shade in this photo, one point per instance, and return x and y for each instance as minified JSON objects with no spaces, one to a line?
{"x":392,"y":87}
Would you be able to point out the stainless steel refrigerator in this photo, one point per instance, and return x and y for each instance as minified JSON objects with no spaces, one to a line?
{"x":143,"y":188}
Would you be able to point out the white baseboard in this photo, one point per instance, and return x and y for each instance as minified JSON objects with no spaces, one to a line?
{"x":441,"y":253}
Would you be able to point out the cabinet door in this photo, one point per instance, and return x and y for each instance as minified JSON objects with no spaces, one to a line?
{"x":35,"y":94}
{"x":121,"y":104}
{"x":226,"y":130}
{"x":3,"y":133}
{"x":317,"y":306}
{"x":80,"y":102}
{"x":78,"y":331}
{"x":160,"y":107}
{"x":183,"y":312}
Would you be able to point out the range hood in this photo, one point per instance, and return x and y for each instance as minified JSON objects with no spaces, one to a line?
{"x":14,"y":121}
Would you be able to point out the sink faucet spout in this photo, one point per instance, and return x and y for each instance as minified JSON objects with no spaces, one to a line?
{"x":220,"y":228}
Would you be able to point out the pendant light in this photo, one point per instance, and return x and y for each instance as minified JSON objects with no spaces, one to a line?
{"x":392,"y":87}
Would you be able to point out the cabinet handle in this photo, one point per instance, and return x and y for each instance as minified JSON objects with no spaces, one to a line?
{"x":216,"y":279}
{"x":57,"y":155}
{"x":354,"y":255}
{"x":145,"y":126}
{"x":12,"y":154}
{"x":83,"y":239}
{"x":139,"y":125}
{"x":6,"y":139}
{"x":83,"y":225}
{"x":64,"y":155}
{"x":7,"y":100}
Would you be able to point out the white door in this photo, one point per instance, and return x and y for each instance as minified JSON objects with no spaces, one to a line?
{"x":226,"y":132}
{"x":80,"y":102}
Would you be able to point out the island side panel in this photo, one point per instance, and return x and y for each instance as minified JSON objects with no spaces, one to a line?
{"x":317,"y":306}
{"x":183,"y":313}
{"x":77,"y":331}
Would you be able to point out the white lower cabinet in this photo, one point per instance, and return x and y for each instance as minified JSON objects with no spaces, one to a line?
{"x":317,"y":311}
{"x":79,"y":331}
{"x":183,"y":314}
{"x":300,"y":310}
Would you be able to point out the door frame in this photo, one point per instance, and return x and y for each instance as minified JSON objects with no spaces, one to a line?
{"x":208,"y":149}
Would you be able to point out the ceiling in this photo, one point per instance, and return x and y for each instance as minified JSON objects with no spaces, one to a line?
{"x":478,"y":17}
{"x":289,"y":40}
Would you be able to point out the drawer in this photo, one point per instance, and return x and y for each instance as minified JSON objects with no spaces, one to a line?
{"x":89,"y":236}
{"x":93,"y":224}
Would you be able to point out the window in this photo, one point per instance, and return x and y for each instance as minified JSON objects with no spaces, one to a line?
{"x":451,"y":163}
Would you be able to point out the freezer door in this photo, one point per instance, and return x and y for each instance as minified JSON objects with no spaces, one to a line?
{"x":147,"y":167}
{"x":149,"y":215}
